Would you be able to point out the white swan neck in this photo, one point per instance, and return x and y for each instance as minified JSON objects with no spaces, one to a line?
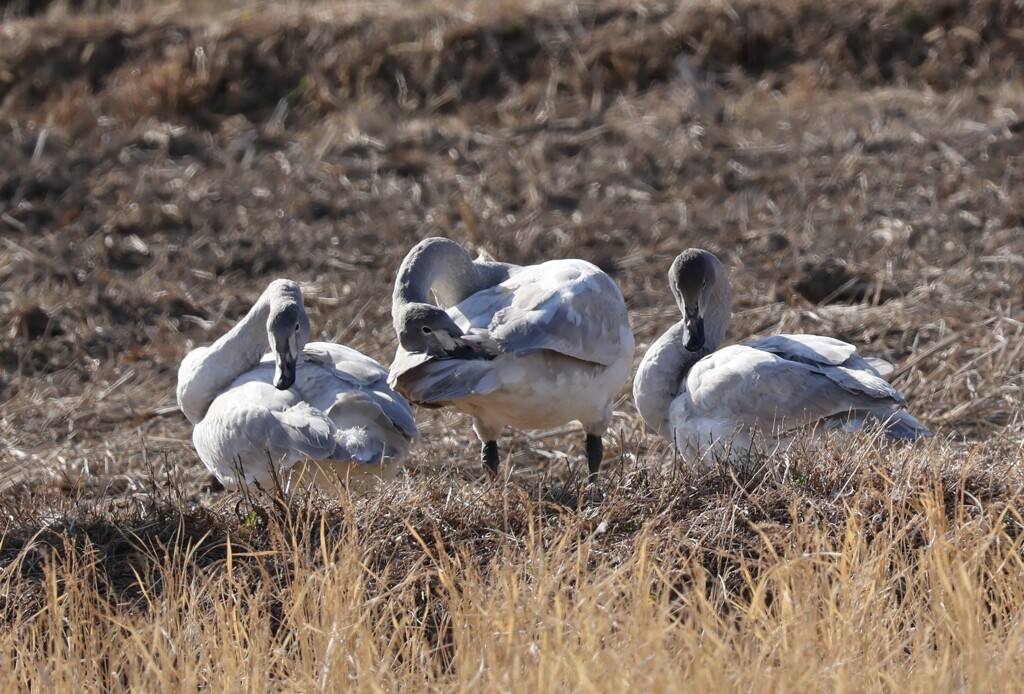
{"x":444,"y":268}
{"x":661,"y":377}
{"x":206,"y":372}
{"x":662,"y":374}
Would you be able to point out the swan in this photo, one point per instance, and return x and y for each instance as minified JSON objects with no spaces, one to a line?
{"x":258,"y":413}
{"x":710,"y":400}
{"x":530,"y":346}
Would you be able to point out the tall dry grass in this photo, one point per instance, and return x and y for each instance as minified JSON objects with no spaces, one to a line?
{"x":849,"y":569}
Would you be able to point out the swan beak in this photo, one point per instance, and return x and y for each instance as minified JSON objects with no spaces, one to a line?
{"x":694,"y":330}
{"x":284,"y":369}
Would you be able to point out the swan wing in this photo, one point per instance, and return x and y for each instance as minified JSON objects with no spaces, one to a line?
{"x":808,"y":349}
{"x":304,"y":431}
{"x":404,"y":363}
{"x":350,"y":365}
{"x":435,"y":381}
{"x":343,"y":363}
{"x":253,"y":428}
{"x":328,"y":373}
{"x":821,"y":350}
{"x":566,"y":306}
{"x":764,"y":389}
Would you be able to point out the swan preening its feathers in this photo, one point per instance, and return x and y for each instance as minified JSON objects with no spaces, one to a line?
{"x":302,"y":412}
{"x":710,"y":400}
{"x":531,"y":347}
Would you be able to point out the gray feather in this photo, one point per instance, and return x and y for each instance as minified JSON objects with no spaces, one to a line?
{"x":569,"y":307}
{"x":304,"y":430}
{"x":807,"y":349}
{"x":448,"y":379}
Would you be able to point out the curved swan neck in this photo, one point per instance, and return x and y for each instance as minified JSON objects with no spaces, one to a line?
{"x":662,"y":376}
{"x":718,"y":311}
{"x":207,"y":371}
{"x":443,"y":267}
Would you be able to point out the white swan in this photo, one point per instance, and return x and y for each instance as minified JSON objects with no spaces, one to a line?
{"x":530,"y":347}
{"x":706,"y":399}
{"x":260,"y":415}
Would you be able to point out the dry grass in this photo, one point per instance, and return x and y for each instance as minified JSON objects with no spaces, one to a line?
{"x":848,"y":568}
{"x":856,"y":165}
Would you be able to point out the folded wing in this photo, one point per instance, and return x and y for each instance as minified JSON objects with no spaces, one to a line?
{"x":565,"y":306}
{"x":764,"y":389}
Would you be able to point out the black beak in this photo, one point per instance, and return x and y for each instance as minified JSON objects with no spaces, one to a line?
{"x":284,"y":370}
{"x":694,"y":330}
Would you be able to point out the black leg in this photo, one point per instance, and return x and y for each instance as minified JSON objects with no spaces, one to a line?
{"x":595,"y":451}
{"x":489,"y":454}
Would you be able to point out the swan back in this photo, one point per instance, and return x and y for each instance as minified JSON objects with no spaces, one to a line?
{"x":566,"y":306}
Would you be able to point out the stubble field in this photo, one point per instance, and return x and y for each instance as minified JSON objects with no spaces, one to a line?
{"x":857,"y":166}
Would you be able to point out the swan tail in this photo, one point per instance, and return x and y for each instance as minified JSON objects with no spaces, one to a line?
{"x":365,"y":434}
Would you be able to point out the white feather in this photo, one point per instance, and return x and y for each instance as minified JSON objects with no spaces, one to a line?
{"x":339,"y":411}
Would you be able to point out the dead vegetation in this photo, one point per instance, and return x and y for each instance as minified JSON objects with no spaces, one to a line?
{"x":848,"y":564}
{"x":857,"y":166}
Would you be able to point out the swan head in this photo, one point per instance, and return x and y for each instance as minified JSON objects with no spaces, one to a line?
{"x":426,"y":329}
{"x":288,"y":332}
{"x":692,"y":278}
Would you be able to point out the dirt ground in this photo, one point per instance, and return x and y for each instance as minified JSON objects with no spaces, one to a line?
{"x":856,"y":165}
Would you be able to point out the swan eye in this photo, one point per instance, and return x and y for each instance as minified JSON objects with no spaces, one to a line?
{"x":296,"y":327}
{"x":426,"y":330}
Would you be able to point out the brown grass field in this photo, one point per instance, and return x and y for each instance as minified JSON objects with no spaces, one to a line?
{"x":858,"y":166}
